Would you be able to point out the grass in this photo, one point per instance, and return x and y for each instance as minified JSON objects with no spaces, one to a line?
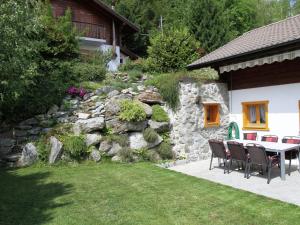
{"x":131,"y":194}
{"x":91,"y":85}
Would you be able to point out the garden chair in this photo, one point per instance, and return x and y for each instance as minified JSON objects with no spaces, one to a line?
{"x":270,"y":138}
{"x":237,"y":153}
{"x":293,"y":154}
{"x":258,"y":156}
{"x":250,"y":136}
{"x":219,"y":151}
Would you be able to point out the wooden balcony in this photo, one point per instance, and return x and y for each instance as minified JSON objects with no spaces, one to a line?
{"x":90,"y":30}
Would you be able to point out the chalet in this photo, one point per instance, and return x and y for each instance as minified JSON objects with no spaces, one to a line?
{"x":102,"y":27}
{"x":262,"y":71}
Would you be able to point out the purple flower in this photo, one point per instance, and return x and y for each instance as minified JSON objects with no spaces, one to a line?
{"x":73,"y":91}
{"x":82,"y":92}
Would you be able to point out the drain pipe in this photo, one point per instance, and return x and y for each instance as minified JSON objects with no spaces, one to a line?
{"x":114,"y":44}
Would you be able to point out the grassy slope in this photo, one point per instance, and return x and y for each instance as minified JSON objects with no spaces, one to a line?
{"x":129,"y":194}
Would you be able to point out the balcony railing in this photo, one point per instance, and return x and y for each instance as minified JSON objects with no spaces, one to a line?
{"x":90,"y":30}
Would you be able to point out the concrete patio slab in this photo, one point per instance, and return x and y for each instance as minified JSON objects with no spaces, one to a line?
{"x":287,"y":191}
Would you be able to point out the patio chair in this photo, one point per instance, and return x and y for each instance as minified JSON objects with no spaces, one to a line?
{"x":258,"y":156}
{"x":250,"y":136}
{"x":293,"y":154}
{"x":270,"y":138}
{"x":219,"y":151}
{"x":237,"y":153}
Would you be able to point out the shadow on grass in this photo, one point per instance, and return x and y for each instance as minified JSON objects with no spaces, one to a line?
{"x":28,"y":199}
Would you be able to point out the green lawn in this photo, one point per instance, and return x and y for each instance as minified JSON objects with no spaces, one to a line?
{"x":129,"y":194}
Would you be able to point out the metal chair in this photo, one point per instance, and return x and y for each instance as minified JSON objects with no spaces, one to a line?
{"x":237,"y":153}
{"x":258,"y":156}
{"x":293,"y":154}
{"x":270,"y":138}
{"x":219,"y":151}
{"x":250,"y":136}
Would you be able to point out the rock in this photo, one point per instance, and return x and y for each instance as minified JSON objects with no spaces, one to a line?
{"x":137,"y":141}
{"x":20,"y":133}
{"x":104,"y":90}
{"x":24,"y":127}
{"x":147,"y":109}
{"x":113,"y":93}
{"x":112,"y":108}
{"x":92,"y":139}
{"x":47,"y":123}
{"x":55,"y":151}
{"x":31,"y":122}
{"x":114,"y":149}
{"x":117,"y":126}
{"x":6,"y":145}
{"x":95,"y":155}
{"x":116,"y":158}
{"x":89,"y":125}
{"x":159,"y":127}
{"x":29,"y":155}
{"x":83,"y":116}
{"x":59,"y":114}
{"x":141,"y":87}
{"x":150,"y":97}
{"x":105,"y":146}
{"x":54,"y":109}
{"x":35,"y":131}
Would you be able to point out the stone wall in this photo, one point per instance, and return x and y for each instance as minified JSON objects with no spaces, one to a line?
{"x":189,"y":136}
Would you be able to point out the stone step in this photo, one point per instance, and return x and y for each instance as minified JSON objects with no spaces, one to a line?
{"x":12,"y":157}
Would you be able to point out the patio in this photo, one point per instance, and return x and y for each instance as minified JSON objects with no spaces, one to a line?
{"x":287,"y":191}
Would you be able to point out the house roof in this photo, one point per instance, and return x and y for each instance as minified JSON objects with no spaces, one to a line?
{"x":117,"y":15}
{"x":270,"y":36}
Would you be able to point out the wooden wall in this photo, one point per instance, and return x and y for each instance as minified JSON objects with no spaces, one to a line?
{"x":86,"y":12}
{"x":266,"y":75}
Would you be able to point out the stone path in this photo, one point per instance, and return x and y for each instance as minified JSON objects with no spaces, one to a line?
{"x":287,"y":191}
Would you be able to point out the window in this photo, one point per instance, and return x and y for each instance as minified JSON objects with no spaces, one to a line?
{"x":255,"y":115}
{"x":211,"y":115}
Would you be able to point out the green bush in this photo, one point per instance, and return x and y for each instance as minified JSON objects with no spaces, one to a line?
{"x":159,"y":114}
{"x":150,"y":135}
{"x":126,"y":155}
{"x":139,"y":65}
{"x":165,"y":151}
{"x":89,"y":72}
{"x":121,"y":139}
{"x":168,"y":83}
{"x":132,"y":111}
{"x":43,"y":149}
{"x":74,"y":146}
{"x":135,"y":75}
{"x":172,"y":50}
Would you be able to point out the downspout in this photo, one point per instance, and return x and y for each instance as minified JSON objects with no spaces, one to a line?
{"x":114,"y":44}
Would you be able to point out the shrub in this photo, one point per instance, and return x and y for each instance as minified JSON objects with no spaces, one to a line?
{"x":152,"y":156}
{"x":159,"y":114}
{"x":165,"y":151}
{"x":172,"y":50}
{"x":126,"y":155}
{"x":135,"y":75}
{"x":43,"y":149}
{"x":74,"y":146}
{"x":132,"y":111}
{"x":89,"y":72}
{"x":150,"y":135}
{"x":139,"y":65}
{"x":121,"y":139}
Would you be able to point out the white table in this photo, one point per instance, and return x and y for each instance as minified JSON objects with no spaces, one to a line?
{"x":281,"y":148}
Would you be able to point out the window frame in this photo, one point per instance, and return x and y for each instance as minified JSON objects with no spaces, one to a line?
{"x":208,"y":124}
{"x":257,"y":126}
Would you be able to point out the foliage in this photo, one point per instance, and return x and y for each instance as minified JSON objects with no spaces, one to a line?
{"x":139,"y":65}
{"x":37,"y":55}
{"x":91,"y":85}
{"x":135,"y":75}
{"x":168,"y":83}
{"x":172,"y":50}
{"x":74,"y":146}
{"x":132,"y":111}
{"x":159,"y":114}
{"x":126,"y":155}
{"x":165,"y":150}
{"x":89,"y":72}
{"x":43,"y":149}
{"x":120,"y":139}
{"x":150,"y":135}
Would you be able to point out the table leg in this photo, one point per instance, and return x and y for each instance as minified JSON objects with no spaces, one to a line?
{"x":282,"y":165}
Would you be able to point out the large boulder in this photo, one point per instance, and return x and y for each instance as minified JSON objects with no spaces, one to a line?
{"x":159,"y":127}
{"x":55,"y":151}
{"x":29,"y":155}
{"x":147,"y":108}
{"x":150,"y":97}
{"x":89,"y":125}
{"x":114,"y":149}
{"x":6,"y":145}
{"x":117,"y":126}
{"x":105,"y":146}
{"x":112,"y":108}
{"x":92,"y":139}
{"x":95,"y":155}
{"x":137,"y":141}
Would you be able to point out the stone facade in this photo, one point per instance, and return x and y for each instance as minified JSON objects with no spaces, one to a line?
{"x":188,"y":134}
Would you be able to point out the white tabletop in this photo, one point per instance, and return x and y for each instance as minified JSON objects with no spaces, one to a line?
{"x":271,"y":146}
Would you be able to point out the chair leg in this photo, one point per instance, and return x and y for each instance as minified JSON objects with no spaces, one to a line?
{"x":290,"y":163}
{"x":249,"y":170}
{"x":212,"y":156}
{"x":269,"y":173}
{"x":225,"y":163}
{"x":246,"y":170}
{"x":230,"y":165}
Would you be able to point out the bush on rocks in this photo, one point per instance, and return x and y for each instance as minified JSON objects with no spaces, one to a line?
{"x":43,"y":149}
{"x":150,"y":135}
{"x":126,"y":155}
{"x":120,"y":139}
{"x":132,"y":111}
{"x":165,"y":150}
{"x":159,"y":114}
{"x":74,"y":146}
